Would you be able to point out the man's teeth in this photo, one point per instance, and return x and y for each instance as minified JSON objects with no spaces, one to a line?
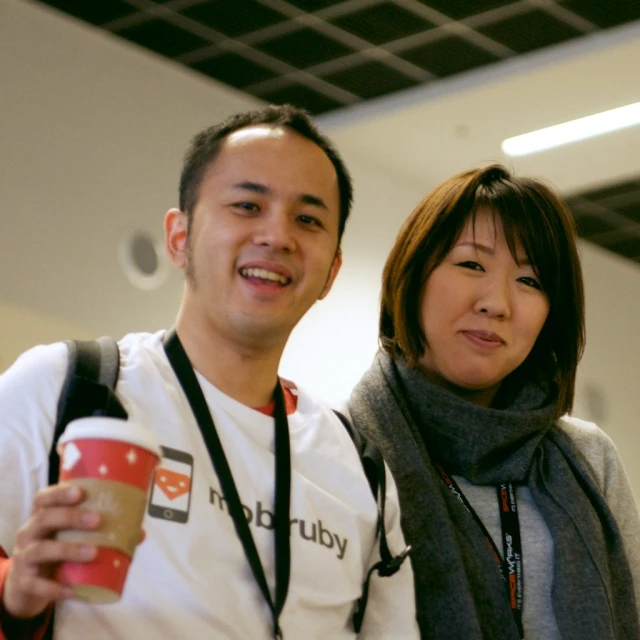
{"x":263,"y":274}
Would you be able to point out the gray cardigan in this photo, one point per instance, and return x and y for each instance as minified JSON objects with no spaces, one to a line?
{"x":537,"y":544}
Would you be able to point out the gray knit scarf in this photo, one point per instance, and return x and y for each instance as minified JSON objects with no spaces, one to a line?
{"x":459,"y":593}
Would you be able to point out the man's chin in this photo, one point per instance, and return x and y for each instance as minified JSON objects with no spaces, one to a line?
{"x":263,"y":330}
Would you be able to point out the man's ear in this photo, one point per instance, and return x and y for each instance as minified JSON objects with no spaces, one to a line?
{"x":175,"y":237}
{"x":333,"y":272}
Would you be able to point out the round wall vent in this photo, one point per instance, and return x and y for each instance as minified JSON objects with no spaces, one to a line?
{"x":142,"y":260}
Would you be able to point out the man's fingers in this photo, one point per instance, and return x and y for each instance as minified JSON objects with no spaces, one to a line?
{"x":43,"y":552}
{"x":45,"y":522}
{"x":42,"y":588}
{"x":27,"y":595}
{"x":28,"y":587}
{"x":56,"y":495}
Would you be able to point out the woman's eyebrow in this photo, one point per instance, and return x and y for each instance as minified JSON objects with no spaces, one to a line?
{"x":520,"y":260}
{"x":478,"y":247}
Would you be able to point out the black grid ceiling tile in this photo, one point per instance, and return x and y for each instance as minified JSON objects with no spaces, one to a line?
{"x":234,"y":17}
{"x":313,"y":5}
{"x":605,"y":14}
{"x":382,"y":23}
{"x":370,"y":80}
{"x":631,"y":211}
{"x":629,"y":246}
{"x":304,"y":48}
{"x":611,"y":191}
{"x":448,"y":56}
{"x":529,"y":31}
{"x":302,"y":96}
{"x":630,"y":195}
{"x":609,"y":216}
{"x":590,"y":225}
{"x":459,"y":9}
{"x":234,"y":70}
{"x":94,"y":12}
{"x":163,"y":37}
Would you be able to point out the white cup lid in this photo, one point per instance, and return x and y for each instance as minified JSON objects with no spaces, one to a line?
{"x":103,"y":428}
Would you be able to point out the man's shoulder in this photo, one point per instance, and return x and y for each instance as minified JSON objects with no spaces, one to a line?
{"x":39,"y":362}
{"x":29,"y":393}
{"x":133,"y":345}
{"x":47,"y":363}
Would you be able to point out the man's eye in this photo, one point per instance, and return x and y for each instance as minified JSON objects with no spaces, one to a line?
{"x":310,"y":221}
{"x":246,"y":206}
{"x":470,"y":264}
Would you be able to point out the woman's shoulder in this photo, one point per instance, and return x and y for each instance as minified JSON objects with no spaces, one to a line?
{"x":596,"y":446}
{"x":582,"y":431}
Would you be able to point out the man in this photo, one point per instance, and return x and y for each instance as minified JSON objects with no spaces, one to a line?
{"x":264,"y":198}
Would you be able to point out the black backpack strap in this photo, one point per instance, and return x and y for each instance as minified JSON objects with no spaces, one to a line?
{"x":374,"y":469}
{"x":88,"y":388}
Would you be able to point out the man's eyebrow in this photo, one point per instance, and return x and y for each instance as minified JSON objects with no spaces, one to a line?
{"x":315,"y":201}
{"x":257,"y":187}
{"x":522,"y":261}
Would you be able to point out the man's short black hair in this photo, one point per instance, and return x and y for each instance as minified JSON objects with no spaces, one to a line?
{"x":205,"y":147}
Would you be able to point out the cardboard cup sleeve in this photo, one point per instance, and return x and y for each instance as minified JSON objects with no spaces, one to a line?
{"x":113,"y":461}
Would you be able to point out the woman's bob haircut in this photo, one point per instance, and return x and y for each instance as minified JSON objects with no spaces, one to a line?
{"x":530,"y":212}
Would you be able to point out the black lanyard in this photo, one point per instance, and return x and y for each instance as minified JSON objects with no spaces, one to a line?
{"x":189,"y":382}
{"x":511,"y":564}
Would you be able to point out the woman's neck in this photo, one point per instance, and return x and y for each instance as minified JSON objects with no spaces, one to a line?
{"x":479,"y":397}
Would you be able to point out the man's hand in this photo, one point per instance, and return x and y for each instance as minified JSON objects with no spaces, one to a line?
{"x":29,"y":587}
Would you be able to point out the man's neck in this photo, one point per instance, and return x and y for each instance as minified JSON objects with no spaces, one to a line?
{"x":246,"y":373}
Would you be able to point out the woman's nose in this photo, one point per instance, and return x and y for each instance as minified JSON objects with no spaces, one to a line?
{"x":495,"y":299}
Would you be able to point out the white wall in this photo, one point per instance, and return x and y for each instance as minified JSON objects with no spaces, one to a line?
{"x":608,"y":378}
{"x":91,"y":139}
{"x":22,"y":328}
{"x":92,"y":134}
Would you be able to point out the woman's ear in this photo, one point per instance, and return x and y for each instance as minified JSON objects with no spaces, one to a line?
{"x":175,"y":237}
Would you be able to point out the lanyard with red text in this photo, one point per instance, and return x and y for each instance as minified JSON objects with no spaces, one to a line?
{"x":511,"y":567}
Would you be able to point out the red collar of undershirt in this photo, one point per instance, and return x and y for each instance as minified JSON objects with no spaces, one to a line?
{"x":290,"y":403}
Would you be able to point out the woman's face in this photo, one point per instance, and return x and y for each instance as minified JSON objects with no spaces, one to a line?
{"x":481,"y":312}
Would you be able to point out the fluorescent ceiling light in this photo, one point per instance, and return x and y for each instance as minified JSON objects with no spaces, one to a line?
{"x":573,"y":131}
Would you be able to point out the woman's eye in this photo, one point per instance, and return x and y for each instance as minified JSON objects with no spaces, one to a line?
{"x":470,"y":264}
{"x":531,"y":282}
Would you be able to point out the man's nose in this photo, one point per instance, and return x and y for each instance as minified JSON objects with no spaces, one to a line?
{"x":277,"y":230}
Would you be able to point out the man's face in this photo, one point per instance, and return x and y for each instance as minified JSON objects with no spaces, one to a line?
{"x":264,"y":238}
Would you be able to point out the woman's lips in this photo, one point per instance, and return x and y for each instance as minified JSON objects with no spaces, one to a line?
{"x":486,"y":339}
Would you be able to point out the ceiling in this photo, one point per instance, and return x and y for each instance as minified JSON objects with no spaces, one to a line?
{"x":329,"y":54}
{"x":610,"y":217}
{"x":370,"y":68}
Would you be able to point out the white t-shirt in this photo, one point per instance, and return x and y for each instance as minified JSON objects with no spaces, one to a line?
{"x":190,"y":578}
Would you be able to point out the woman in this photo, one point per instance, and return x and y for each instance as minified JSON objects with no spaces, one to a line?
{"x":521,"y":519}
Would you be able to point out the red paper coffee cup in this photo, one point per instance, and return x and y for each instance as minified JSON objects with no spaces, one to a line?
{"x":113,"y":461}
